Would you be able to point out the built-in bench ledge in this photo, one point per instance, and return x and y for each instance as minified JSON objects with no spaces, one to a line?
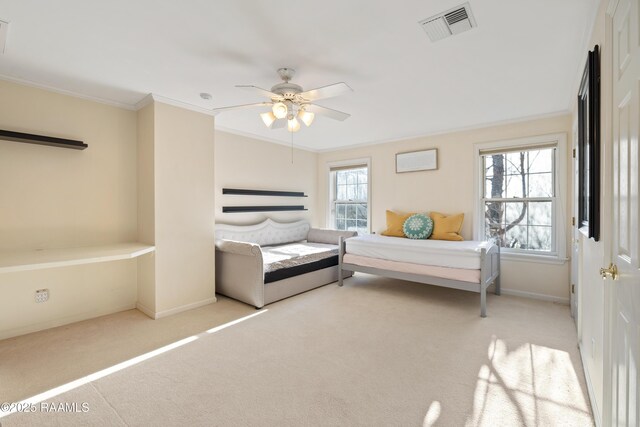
{"x":25,"y":260}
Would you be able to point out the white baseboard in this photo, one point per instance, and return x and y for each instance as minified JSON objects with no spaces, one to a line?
{"x":594,"y":404}
{"x":146,"y":310}
{"x":62,"y":321}
{"x":543,"y":297}
{"x":164,"y":313}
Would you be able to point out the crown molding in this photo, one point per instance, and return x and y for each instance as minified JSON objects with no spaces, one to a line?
{"x":66,"y":92}
{"x":146,"y":100}
{"x":153,"y":97}
{"x":452,"y":130}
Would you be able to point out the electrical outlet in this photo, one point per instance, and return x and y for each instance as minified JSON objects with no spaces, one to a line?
{"x":42,"y":295}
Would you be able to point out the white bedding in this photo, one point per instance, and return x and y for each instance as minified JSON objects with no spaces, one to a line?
{"x":271,"y":254}
{"x":442,"y":253}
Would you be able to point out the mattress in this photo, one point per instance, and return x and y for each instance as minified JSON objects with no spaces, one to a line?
{"x":294,"y":259}
{"x":441,"y":253}
{"x":459,"y":274}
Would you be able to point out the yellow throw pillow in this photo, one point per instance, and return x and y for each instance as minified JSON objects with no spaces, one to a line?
{"x":395,"y":221}
{"x":446,"y":227}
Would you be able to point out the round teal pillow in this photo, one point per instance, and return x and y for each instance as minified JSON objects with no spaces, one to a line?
{"x":418,"y":226}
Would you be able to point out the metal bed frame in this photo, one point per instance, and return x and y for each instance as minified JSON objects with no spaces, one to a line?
{"x":489,"y":273}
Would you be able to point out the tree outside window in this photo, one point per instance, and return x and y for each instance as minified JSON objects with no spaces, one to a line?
{"x":519,"y":199}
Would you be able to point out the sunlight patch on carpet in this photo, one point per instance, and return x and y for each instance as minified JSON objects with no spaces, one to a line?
{"x":533,"y":384}
{"x":49,"y":394}
{"x":433,"y":413}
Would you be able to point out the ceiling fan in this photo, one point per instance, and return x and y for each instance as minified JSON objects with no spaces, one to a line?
{"x":290,"y":104}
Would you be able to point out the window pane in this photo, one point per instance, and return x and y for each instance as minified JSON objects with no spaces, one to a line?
{"x":541,"y":185}
{"x":515,"y":186}
{"x":540,"y":238}
{"x":496,"y":162}
{"x":341,"y":224}
{"x":540,"y":213}
{"x":340,"y":211}
{"x":515,"y":213}
{"x":515,"y":163}
{"x":494,"y":187}
{"x":494,"y":171}
{"x":488,"y":165}
{"x":351,"y":177}
{"x":494,"y":212}
{"x":516,"y":237}
{"x":541,"y":160}
{"x":341,"y":177}
{"x":362,"y":176}
{"x":351,"y":211}
{"x":341,"y":193}
{"x":351,"y":192}
{"x":351,"y":225}
{"x":361,"y":211}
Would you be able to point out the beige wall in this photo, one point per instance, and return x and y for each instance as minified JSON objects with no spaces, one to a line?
{"x":181,"y":178}
{"x":54,"y":198}
{"x":75,"y":293}
{"x":450,"y":189}
{"x":243,"y":162}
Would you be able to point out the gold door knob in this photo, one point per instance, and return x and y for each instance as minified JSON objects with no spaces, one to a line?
{"x":611,"y":271}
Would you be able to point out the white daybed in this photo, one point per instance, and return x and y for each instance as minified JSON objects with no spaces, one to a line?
{"x":263,"y":263}
{"x":467,"y":265}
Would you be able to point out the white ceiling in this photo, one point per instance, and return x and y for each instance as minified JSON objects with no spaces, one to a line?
{"x":522,"y":60}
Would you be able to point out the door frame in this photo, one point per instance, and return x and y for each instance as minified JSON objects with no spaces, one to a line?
{"x":606,"y":203}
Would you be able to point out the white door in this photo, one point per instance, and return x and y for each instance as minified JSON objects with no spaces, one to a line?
{"x":624,"y":243}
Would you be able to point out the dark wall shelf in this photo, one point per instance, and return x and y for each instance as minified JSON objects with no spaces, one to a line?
{"x":7,"y":135}
{"x":244,"y":192}
{"x":241,"y":209}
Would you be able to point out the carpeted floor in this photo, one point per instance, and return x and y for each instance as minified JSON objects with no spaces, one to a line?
{"x":376,"y":352}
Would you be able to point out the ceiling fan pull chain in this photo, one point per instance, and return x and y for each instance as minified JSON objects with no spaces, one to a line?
{"x":291,"y":147}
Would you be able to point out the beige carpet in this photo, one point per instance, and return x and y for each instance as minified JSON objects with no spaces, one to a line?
{"x":376,"y":352}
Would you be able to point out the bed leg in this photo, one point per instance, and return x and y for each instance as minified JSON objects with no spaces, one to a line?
{"x":483,"y":301}
{"x":497,"y":281}
{"x":340,"y":254}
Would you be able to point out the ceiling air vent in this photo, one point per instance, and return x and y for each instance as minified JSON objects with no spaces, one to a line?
{"x":4,"y":26}
{"x":448,"y":23}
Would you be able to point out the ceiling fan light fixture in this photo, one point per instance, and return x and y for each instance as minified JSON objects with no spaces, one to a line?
{"x":306,"y":117}
{"x":279,"y":110}
{"x":268,"y":118}
{"x":293,"y":125}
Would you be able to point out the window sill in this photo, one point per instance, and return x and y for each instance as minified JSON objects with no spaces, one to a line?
{"x":537,"y":259}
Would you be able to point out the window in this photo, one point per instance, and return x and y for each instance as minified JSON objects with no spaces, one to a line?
{"x":519,"y":203}
{"x":349,"y":195}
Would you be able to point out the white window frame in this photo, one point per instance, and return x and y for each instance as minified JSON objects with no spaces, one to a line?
{"x":560,"y":220}
{"x":365,"y":161}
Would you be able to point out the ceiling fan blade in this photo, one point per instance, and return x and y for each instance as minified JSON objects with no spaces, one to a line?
{"x":326,"y":91}
{"x":328,"y":112}
{"x":260,"y":91}
{"x":233,"y":107}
